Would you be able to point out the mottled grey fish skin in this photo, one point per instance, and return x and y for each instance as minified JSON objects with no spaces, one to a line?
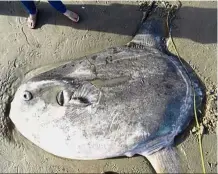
{"x":126,"y":113}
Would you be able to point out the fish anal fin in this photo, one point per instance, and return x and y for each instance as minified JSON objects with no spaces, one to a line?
{"x":166,"y":160}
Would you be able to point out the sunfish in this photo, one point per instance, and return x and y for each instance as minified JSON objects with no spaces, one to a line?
{"x":123,"y":101}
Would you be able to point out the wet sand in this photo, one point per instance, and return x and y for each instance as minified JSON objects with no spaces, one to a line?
{"x":102,"y":25}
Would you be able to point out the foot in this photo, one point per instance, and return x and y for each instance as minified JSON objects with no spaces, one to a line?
{"x":31,"y":20}
{"x":72,"y":16}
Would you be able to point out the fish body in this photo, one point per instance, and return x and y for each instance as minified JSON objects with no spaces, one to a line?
{"x":125,"y":100}
{"x":112,"y":102}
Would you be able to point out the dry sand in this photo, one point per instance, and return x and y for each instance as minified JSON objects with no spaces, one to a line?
{"x":103,"y":25}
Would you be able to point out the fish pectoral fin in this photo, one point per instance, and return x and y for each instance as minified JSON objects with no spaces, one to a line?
{"x":86,"y":94}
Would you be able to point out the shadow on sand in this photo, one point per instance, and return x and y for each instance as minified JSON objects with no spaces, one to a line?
{"x":197,"y":24}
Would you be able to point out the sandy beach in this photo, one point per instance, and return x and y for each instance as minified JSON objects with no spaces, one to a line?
{"x":103,"y":24}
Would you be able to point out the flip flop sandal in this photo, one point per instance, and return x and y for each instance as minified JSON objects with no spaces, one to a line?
{"x":77,"y":20}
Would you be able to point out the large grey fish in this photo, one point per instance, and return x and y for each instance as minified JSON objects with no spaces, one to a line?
{"x":126,"y":100}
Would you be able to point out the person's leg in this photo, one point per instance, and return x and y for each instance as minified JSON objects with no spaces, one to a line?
{"x":59,"y":6}
{"x":31,"y":8}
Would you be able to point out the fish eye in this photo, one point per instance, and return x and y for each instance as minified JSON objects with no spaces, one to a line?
{"x":27,"y":96}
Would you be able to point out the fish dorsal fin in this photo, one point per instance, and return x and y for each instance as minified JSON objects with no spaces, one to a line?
{"x":154,"y":28}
